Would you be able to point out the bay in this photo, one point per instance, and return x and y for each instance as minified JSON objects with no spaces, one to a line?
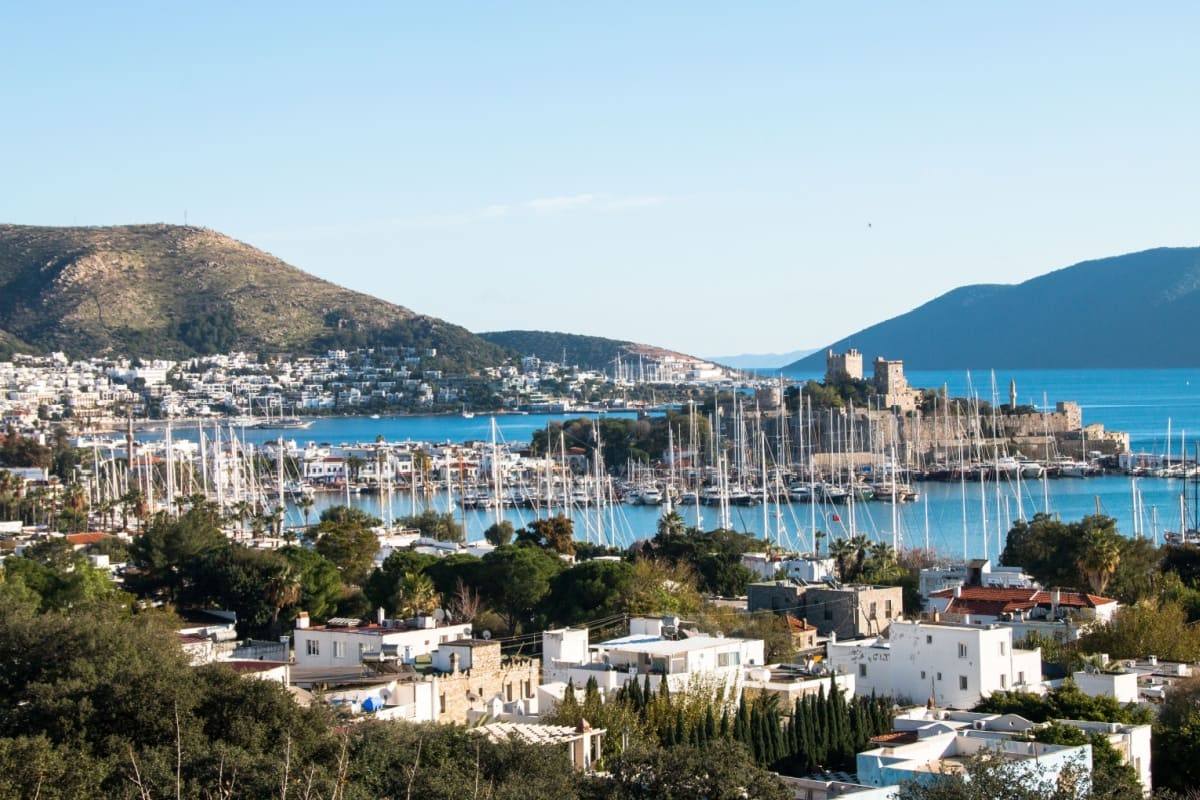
{"x":951,"y":518}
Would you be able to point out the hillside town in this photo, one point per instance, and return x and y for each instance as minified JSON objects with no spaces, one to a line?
{"x":601,"y":650}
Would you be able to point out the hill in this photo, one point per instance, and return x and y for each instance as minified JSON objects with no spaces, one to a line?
{"x":177,"y":291}
{"x":1134,"y":310}
{"x":586,"y":352}
{"x":763,"y":361}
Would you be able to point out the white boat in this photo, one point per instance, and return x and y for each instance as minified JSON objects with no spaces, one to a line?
{"x":650,"y":496}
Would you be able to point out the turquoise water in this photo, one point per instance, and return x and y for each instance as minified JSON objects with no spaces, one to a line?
{"x":1137,"y":401}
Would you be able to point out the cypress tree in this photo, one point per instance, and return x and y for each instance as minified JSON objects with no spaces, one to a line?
{"x":646,"y":693}
{"x":725,"y":723}
{"x":680,"y":728}
{"x":741,"y":723}
{"x":758,"y":746}
{"x":710,"y":724}
{"x":633,"y":692}
{"x":569,"y":708}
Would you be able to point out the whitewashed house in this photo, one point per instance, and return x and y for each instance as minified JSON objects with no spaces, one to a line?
{"x":654,"y":647}
{"x":955,"y":665}
{"x":347,"y":642}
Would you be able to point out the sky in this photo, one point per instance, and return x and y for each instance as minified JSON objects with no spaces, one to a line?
{"x":712,"y":178}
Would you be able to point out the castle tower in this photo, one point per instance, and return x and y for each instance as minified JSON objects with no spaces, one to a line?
{"x":839,"y":366}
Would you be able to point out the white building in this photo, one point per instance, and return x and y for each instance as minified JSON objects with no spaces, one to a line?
{"x":977,"y":572}
{"x":1131,"y":741}
{"x":930,"y":757}
{"x":652,"y":649}
{"x":1121,"y":686}
{"x":807,"y":568}
{"x":346,"y":642}
{"x":955,"y":665}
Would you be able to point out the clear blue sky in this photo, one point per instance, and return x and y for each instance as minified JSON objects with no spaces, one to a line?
{"x":715,"y":178}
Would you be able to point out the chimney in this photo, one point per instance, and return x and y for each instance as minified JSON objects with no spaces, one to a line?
{"x":833,"y":637}
{"x":1055,"y":599}
{"x":958,"y":591}
{"x":454,"y":663}
{"x":302,"y":621}
{"x":379,"y":616}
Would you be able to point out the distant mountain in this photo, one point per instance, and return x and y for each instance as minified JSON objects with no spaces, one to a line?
{"x":761,"y":360}
{"x":587,"y":352}
{"x":172,"y":291}
{"x":1135,"y":310}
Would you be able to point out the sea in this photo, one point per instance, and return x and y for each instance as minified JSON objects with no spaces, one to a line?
{"x":956,"y":520}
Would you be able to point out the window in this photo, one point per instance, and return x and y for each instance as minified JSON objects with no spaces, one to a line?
{"x":1003,"y":681}
{"x":828,"y":612}
{"x":508,"y":691}
{"x":962,"y":682}
{"x":962,"y":650}
{"x":1003,"y":647}
{"x":1021,"y":678}
{"x":312,"y":647}
{"x":928,"y":639}
{"x":339,"y":649}
{"x":728,"y":659}
{"x":887,"y":609}
{"x":442,"y":703}
{"x":873,"y":611}
{"x":922,"y":674}
{"x":939,"y":676}
{"x":862,"y":670}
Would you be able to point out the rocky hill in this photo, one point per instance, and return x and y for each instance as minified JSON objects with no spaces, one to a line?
{"x":174,"y":291}
{"x":1135,"y":310}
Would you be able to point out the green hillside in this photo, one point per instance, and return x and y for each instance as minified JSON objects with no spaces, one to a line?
{"x":176,"y":291}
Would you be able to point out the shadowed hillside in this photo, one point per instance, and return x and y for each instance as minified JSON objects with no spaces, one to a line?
{"x":1135,"y":310}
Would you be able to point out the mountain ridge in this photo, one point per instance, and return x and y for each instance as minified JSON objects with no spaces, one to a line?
{"x":1133,"y":310}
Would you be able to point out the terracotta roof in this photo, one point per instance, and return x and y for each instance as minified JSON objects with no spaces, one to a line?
{"x":995,"y":600}
{"x":799,"y":625}
{"x":86,"y":538}
{"x":895,"y":737}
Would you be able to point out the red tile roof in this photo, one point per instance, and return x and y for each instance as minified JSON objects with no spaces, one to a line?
{"x":994,"y":600}
{"x":86,"y":538}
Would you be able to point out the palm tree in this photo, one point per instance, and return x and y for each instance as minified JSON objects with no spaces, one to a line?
{"x":305,"y":503}
{"x":671,"y":524}
{"x":417,"y":595}
{"x":817,"y":537}
{"x":282,"y":589}
{"x":1099,"y":557}
{"x":883,"y":561}
{"x":860,"y":544}
{"x":841,"y":550}
{"x":422,"y":465}
{"x":74,"y":505}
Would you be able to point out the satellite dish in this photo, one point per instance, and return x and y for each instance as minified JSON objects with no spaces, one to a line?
{"x":439,"y":614}
{"x":486,"y":635}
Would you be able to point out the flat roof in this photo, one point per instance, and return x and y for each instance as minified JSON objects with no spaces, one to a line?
{"x":668,"y":647}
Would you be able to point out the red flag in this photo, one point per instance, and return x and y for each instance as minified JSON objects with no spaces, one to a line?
{"x":836,"y":518}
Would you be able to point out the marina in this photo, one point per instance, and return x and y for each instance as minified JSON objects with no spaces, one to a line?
{"x":965,"y":513}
